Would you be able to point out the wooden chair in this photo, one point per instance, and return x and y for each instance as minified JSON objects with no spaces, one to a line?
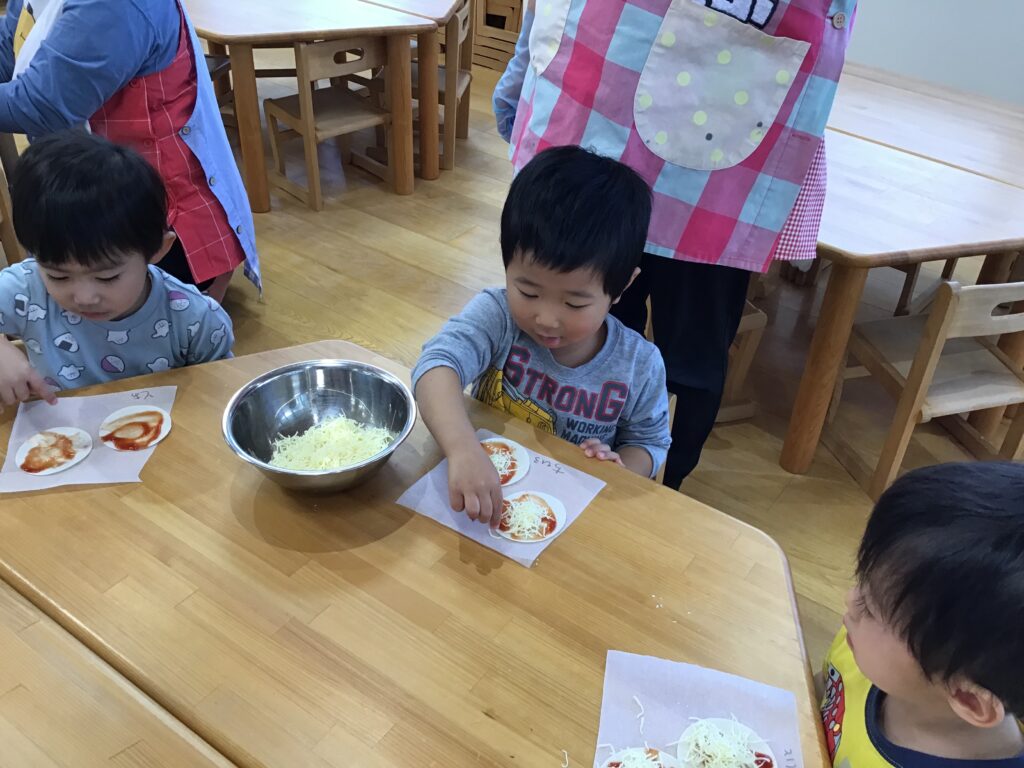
{"x":317,"y":114}
{"x":12,"y":248}
{"x":942,"y":365}
{"x":736,"y":404}
{"x":454,"y":79}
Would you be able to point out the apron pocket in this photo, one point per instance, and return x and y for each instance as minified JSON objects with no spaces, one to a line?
{"x":712,"y":87}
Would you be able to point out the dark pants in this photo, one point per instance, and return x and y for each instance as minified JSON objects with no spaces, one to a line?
{"x":176,"y":265}
{"x":696,"y":310}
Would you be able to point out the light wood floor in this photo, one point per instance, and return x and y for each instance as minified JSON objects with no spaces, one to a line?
{"x":386,"y":271}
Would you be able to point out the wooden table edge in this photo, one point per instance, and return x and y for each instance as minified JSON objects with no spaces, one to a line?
{"x":286,"y":39}
{"x":905,"y":257}
{"x":392,"y":5}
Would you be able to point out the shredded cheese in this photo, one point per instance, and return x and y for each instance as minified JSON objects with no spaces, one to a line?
{"x":504,"y":461}
{"x":523,"y":517}
{"x":331,"y":444}
{"x":637,"y":757}
{"x":707,"y":744}
{"x":565,"y":759}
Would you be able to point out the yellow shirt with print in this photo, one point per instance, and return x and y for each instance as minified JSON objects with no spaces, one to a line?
{"x":844,"y":711}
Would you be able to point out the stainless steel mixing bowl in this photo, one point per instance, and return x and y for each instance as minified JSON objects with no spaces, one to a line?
{"x":289,"y":400}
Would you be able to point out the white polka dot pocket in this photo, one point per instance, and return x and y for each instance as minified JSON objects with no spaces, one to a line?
{"x":712,"y":87}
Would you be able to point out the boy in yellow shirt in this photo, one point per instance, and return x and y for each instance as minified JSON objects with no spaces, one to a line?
{"x":928,"y":670}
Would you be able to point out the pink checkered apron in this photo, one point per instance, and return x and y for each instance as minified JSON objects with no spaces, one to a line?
{"x":147,"y":115}
{"x":719,"y":104}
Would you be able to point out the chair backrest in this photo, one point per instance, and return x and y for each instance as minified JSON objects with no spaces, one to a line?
{"x":463,"y":15}
{"x":975,"y":309}
{"x":338,"y":58}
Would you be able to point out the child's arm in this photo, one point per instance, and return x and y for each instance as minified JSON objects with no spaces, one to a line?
{"x":465,"y":348}
{"x":632,"y":457}
{"x":642,"y":438}
{"x":473,"y":483}
{"x":19,"y":381}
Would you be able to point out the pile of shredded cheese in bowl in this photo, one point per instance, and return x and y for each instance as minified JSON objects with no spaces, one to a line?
{"x":332,"y":444}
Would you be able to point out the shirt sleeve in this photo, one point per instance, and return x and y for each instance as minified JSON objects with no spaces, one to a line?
{"x":92,"y":52}
{"x":8,"y":26}
{"x":510,"y":86}
{"x":647,"y":424}
{"x":15,"y":304}
{"x":469,"y":342}
{"x":210,"y":333}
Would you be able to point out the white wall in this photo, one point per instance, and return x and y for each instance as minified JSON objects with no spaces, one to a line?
{"x":970,"y":45}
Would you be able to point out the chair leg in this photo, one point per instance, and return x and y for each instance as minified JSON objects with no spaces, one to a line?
{"x":315,"y":196}
{"x":449,"y":130}
{"x":891,"y":459}
{"x":462,"y":117}
{"x":837,"y":396}
{"x":273,"y":128}
{"x":1011,"y":448}
{"x":907,"y":295}
{"x":344,"y":144}
{"x":739,"y":366}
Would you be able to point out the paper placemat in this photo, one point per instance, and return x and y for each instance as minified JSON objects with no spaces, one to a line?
{"x":103,"y":465}
{"x":672,"y":694}
{"x":575,"y":489}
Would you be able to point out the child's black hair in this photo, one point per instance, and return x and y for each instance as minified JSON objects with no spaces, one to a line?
{"x":571,"y":209}
{"x":78,"y":198}
{"x":943,"y":560}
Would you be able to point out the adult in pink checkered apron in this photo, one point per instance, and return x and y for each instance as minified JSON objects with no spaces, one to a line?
{"x":721,"y":106}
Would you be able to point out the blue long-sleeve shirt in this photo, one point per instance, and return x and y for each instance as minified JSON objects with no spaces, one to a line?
{"x":93,"y":50}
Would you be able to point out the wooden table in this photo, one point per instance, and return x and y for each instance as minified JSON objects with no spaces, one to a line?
{"x":953,"y":128}
{"x":240,"y":26}
{"x":294,"y":631}
{"x":62,"y":707}
{"x":888,"y":208}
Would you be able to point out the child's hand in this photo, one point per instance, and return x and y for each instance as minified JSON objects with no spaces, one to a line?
{"x":474,"y":486}
{"x":18,"y":379}
{"x":595,"y":449}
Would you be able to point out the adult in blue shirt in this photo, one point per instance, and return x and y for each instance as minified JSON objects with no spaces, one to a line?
{"x":133,"y":71}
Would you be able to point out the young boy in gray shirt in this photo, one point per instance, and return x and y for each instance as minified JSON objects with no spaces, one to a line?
{"x":544,"y":348}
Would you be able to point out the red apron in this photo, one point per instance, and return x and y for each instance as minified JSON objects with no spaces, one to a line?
{"x":147,"y":115}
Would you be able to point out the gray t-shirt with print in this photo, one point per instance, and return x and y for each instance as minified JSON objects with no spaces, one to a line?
{"x":619,"y":396}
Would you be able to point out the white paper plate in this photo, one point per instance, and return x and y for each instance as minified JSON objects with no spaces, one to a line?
{"x":521,"y":455}
{"x":757,"y":743}
{"x":80,"y":441}
{"x":108,"y":425}
{"x":556,"y":506}
{"x":664,"y":759}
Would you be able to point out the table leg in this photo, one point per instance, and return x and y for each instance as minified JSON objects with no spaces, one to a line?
{"x":250,"y":132}
{"x":399,"y":89}
{"x":427,"y":89}
{"x":826,"y":356}
{"x":996,"y":269}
